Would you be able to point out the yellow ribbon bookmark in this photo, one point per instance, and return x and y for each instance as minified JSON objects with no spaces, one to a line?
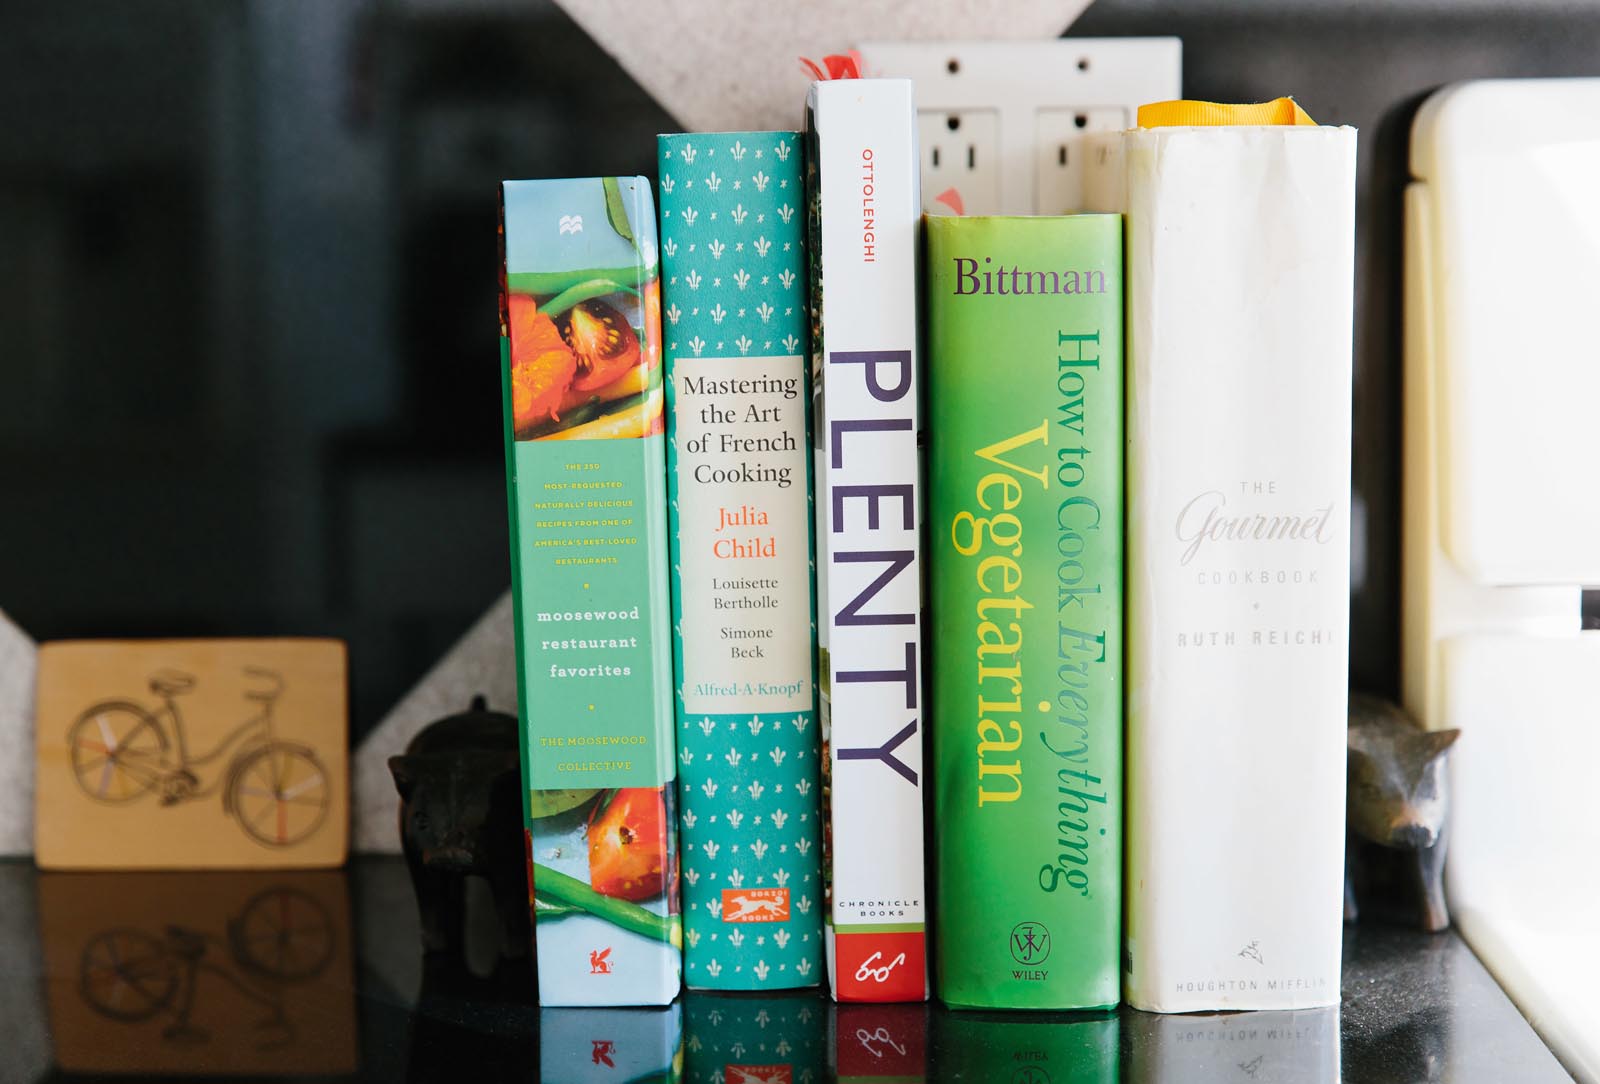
{"x":1185,"y":114}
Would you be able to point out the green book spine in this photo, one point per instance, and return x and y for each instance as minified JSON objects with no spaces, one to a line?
{"x":1025,"y":456}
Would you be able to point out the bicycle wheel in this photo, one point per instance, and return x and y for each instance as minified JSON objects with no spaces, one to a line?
{"x":127,"y":975}
{"x":117,"y":750}
{"x":283,"y":934}
{"x":280,"y":793}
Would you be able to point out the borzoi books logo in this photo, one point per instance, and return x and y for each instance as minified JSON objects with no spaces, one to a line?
{"x":755,"y":905}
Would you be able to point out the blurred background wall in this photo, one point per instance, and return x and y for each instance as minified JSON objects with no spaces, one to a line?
{"x":248,"y":370}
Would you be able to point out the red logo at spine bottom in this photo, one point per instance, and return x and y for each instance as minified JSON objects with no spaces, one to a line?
{"x":880,"y":966}
{"x":600,"y":961}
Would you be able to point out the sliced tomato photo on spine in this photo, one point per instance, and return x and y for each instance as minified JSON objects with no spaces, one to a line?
{"x":628,"y":845}
{"x":542,"y":365}
{"x":604,"y":343}
{"x":652,"y":323}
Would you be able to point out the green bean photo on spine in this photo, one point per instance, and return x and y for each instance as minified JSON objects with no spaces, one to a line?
{"x":584,"y":291}
{"x":565,"y":891}
{"x":551,"y":284}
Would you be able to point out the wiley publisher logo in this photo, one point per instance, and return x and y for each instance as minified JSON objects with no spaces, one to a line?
{"x":600,"y":961}
{"x":1030,"y":943}
{"x":601,"y":1055}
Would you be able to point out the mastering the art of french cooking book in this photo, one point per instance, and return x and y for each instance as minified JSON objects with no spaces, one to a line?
{"x":864,"y":216}
{"x":738,"y":477}
{"x":1025,"y":577}
{"x":580,"y":355}
{"x":1240,"y":242}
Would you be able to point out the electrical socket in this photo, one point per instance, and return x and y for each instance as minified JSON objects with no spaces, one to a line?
{"x":960,"y":160}
{"x":1059,"y":135}
{"x":1023,"y":98}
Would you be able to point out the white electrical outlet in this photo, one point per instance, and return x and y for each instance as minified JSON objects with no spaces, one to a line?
{"x":960,"y":152}
{"x":1032,"y":102}
{"x":1061,"y":152}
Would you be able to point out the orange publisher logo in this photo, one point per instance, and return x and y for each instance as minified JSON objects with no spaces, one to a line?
{"x":755,"y":905}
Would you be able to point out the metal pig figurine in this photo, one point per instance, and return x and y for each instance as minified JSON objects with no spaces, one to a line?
{"x":460,"y":789}
{"x":1397,"y":799}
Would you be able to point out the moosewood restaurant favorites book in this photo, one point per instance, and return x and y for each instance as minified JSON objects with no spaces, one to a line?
{"x":586,"y":478}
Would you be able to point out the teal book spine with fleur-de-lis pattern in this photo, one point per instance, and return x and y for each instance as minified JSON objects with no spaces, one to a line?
{"x":734,"y":320}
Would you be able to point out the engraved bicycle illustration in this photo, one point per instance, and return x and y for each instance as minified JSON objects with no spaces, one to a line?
{"x":277,"y":790}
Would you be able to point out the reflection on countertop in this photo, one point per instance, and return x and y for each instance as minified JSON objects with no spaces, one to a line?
{"x":320,"y":974}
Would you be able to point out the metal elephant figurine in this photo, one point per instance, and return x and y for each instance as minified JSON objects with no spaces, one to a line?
{"x":460,"y":816}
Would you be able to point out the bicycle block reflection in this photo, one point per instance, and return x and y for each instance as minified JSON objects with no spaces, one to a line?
{"x":226,"y":974}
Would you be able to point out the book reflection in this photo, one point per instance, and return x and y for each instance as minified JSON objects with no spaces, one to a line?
{"x":1283,"y":1046}
{"x":801,"y":1038}
{"x":589,"y":1045}
{"x":1013,"y":1048}
{"x":878,"y":1042}
{"x":754,"y":1039}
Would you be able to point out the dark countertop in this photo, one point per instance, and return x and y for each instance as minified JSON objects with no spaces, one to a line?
{"x":319,"y":976}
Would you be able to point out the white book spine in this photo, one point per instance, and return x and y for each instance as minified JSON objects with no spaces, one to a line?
{"x":869,"y":515}
{"x":1240,"y":261}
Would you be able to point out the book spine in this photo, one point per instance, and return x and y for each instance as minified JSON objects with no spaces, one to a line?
{"x":580,"y":354}
{"x":1240,"y":266}
{"x":864,"y":214}
{"x":1025,"y":399}
{"x":738,"y":466}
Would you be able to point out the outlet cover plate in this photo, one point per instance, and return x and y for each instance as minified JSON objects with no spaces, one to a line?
{"x":1045,"y":95}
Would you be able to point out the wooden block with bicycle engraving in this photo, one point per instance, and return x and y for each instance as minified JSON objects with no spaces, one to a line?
{"x":192,"y":754}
